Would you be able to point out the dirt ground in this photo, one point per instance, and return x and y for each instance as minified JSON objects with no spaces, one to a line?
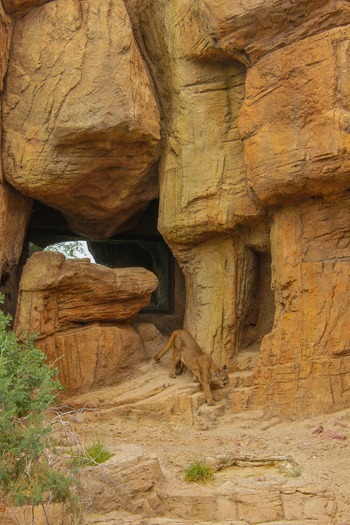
{"x":168,"y":418}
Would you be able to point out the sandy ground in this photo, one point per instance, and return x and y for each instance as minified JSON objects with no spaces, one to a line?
{"x":159,"y":414}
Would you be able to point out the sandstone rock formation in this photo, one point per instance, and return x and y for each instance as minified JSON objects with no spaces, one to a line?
{"x":305,"y":370}
{"x":80,"y":120}
{"x":295,"y":117}
{"x":14,"y":217}
{"x":79,"y":310}
{"x":132,"y":479}
{"x":93,"y":356}
{"x":57,"y":293}
{"x":289,"y":111}
{"x":6,"y":25}
{"x":250,"y":100}
{"x":248,"y":31}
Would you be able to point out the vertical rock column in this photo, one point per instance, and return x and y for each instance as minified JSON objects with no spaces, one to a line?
{"x":204,"y":194}
{"x":14,"y":208}
{"x":305,"y":361}
{"x":295,"y":123}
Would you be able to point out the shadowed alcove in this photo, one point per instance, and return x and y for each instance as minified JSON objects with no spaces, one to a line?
{"x":140,"y":246}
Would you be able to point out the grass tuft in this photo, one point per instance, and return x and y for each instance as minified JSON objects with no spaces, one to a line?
{"x":198,"y":472}
{"x":95,"y":454}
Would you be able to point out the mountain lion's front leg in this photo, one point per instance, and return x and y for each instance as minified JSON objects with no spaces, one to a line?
{"x":207,"y":391}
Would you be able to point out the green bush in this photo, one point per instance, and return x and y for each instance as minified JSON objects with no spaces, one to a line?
{"x":28,"y":386}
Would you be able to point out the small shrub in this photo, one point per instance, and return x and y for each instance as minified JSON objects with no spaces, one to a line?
{"x":198,"y":472}
{"x":92,"y":455}
{"x":28,"y":386}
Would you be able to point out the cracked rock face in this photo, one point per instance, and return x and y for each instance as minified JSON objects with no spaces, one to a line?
{"x":57,"y":294}
{"x":254,"y":164}
{"x":80,"y":118}
{"x":81,"y":311}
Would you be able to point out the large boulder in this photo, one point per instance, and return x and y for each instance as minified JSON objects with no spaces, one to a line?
{"x":295,"y":120}
{"x":93,"y":356}
{"x":57,"y":294}
{"x":80,"y":311}
{"x":131,"y":479}
{"x":80,"y":120}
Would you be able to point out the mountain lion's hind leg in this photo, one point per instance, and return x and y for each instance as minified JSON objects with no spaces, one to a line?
{"x":175,"y":363}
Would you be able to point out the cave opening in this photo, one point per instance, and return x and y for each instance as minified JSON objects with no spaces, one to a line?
{"x":141,"y":246}
{"x":256,"y":301}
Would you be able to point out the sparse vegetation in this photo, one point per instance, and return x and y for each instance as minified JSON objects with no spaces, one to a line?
{"x":28,"y":386}
{"x":94,"y":454}
{"x":290,"y":469}
{"x":199,"y":472}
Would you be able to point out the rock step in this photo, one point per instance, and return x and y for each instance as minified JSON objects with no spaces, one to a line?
{"x":116,"y":518}
{"x":251,"y":502}
{"x":246,"y":360}
{"x":239,"y":399}
{"x":242,"y":378}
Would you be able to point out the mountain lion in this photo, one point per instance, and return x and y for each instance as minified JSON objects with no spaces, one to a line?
{"x":187,"y":352}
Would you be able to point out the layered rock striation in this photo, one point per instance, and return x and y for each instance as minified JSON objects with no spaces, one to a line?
{"x":236,"y":115}
{"x":80,"y":120}
{"x":81,"y":312}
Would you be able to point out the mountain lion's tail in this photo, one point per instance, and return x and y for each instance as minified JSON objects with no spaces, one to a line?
{"x":164,"y":350}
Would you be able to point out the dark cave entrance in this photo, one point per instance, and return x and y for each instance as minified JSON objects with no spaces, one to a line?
{"x":255,"y":299}
{"x":141,"y":246}
{"x":258,"y":313}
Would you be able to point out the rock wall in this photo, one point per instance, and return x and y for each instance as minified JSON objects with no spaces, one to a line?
{"x":237,"y":115}
{"x":81,"y":313}
{"x":304,"y":362}
{"x":255,"y":112}
{"x":81,"y":124}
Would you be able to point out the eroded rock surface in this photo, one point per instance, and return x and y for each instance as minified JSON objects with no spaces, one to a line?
{"x":6,"y":25}
{"x":307,"y":354}
{"x":56,"y":293}
{"x":80,"y":311}
{"x":14,"y":217}
{"x":251,"y":102}
{"x":21,"y":6}
{"x":203,"y":181}
{"x":81,"y":124}
{"x":249,"y":30}
{"x":295,"y":117}
{"x":93,"y":356}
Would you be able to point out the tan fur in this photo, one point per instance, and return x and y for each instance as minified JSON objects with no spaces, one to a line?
{"x":186,"y":351}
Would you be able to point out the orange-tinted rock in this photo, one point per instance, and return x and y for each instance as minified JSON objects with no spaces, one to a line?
{"x":203,"y":184}
{"x":92,"y":356}
{"x":295,"y":120}
{"x":6,"y":25}
{"x":249,"y":30}
{"x":14,"y":217}
{"x":20,"y":6}
{"x":80,"y":120}
{"x":304,"y":362}
{"x":57,"y":294}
